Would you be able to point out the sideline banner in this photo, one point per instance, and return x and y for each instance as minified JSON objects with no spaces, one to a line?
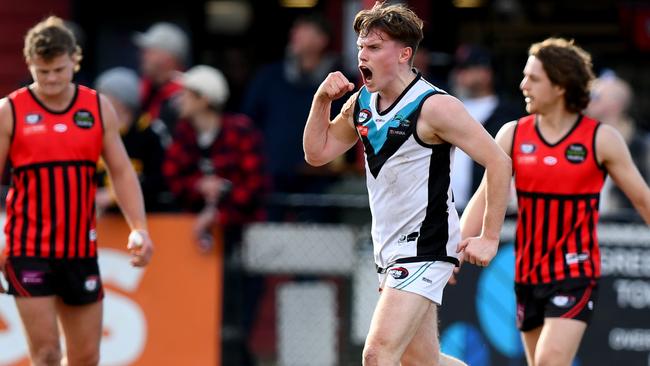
{"x":166,"y":314}
{"x":477,"y":318}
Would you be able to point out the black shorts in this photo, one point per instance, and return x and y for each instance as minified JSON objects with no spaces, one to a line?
{"x":570,"y":299}
{"x":75,"y":281}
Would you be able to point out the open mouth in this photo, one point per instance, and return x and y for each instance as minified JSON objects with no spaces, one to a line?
{"x":366,"y":73}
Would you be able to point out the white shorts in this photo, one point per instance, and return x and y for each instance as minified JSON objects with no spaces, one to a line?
{"x":427,"y":279}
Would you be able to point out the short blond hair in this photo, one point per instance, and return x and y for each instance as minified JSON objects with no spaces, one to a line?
{"x":50,"y":38}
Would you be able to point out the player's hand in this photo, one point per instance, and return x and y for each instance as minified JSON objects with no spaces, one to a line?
{"x":478,"y":250}
{"x":141,"y":248}
{"x":3,"y":260}
{"x":334,"y":86}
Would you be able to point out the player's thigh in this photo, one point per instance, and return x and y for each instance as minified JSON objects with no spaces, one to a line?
{"x":529,"y":338}
{"x":396,"y":319}
{"x":559,"y":341}
{"x":38,"y":315}
{"x":424,"y":348}
{"x":82,"y":326}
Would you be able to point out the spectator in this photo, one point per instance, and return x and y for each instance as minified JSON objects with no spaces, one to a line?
{"x":472,"y":81}
{"x":143,"y":145}
{"x":215,"y":167}
{"x":164,"y":51}
{"x":611,"y":98}
{"x":278,"y":100}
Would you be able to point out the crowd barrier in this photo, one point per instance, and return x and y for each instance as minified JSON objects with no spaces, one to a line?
{"x":166,"y":314}
{"x":169,"y":313}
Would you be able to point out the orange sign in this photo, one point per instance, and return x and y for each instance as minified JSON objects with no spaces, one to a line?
{"x":166,"y":314}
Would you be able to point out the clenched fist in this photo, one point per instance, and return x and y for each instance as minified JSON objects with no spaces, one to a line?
{"x":479,"y":250}
{"x":334,"y":86}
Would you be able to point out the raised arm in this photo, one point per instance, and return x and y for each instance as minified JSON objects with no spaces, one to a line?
{"x":613,"y":154}
{"x":324,"y":140}
{"x":450,"y":122}
{"x":126,"y":187}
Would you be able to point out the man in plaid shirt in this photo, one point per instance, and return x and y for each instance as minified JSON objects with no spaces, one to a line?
{"x":214,"y":165}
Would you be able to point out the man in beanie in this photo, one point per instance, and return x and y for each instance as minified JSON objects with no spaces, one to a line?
{"x":164,"y":51}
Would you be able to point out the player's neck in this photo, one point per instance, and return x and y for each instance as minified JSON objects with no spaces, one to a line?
{"x":55,"y":102}
{"x":557,"y":120}
{"x":389,"y":95}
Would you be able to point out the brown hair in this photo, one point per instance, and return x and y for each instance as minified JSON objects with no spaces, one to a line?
{"x":398,"y":21}
{"x":49,"y":39}
{"x":568,"y":66}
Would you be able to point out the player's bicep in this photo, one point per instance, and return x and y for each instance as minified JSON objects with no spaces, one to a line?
{"x":452,"y":123}
{"x":615,"y":157}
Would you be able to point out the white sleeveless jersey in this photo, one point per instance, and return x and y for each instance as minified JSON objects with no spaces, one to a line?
{"x":413,"y":215}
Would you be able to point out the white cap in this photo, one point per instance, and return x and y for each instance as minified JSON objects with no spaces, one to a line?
{"x":120,"y":83}
{"x":164,"y":36}
{"x":208,"y":82}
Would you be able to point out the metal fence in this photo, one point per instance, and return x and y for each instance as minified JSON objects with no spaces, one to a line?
{"x":324,"y":289}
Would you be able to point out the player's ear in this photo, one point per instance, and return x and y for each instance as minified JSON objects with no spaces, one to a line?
{"x":406,"y":54}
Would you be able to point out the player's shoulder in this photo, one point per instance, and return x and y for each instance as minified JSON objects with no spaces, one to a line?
{"x":439,"y":105}
{"x":6,"y":108}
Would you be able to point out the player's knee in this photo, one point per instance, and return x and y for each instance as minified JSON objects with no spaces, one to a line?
{"x":551,"y":357}
{"x":374,"y":354}
{"x":370,"y":356}
{"x":47,"y":356}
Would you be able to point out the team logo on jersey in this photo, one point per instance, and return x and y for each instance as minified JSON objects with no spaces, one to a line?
{"x":403,"y":239}
{"x":550,"y":160}
{"x":403,"y":122}
{"x":563,"y":301}
{"x":92,"y":235}
{"x":576,"y":153}
{"x":60,"y":127}
{"x":33,"y":118}
{"x":398,"y":273}
{"x":572,"y":258}
{"x":91,"y":283}
{"x":364,"y":116}
{"x":83,"y":118}
{"x":527,"y":148}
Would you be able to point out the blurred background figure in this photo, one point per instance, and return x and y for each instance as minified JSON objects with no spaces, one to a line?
{"x":164,"y":51}
{"x":143,"y":145}
{"x":473,"y":82}
{"x":611,"y":98}
{"x":215,"y":167}
{"x":278,"y":100}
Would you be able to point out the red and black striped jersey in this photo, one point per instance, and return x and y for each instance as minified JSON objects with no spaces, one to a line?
{"x":558,"y":189}
{"x":53,"y":154}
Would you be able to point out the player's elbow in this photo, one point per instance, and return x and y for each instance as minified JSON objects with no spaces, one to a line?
{"x":315,"y":159}
{"x":502,"y":162}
